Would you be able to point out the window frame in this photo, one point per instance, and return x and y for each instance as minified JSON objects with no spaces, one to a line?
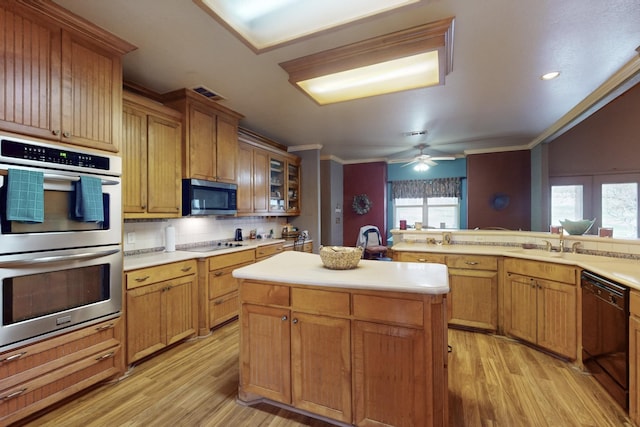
{"x":425,"y":210}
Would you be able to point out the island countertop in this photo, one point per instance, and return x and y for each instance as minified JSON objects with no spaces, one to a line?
{"x":307,"y":269}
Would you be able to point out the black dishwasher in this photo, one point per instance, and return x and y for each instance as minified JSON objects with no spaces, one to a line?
{"x":605,"y":334}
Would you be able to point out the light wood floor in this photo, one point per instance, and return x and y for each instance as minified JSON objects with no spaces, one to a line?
{"x":493,"y":381}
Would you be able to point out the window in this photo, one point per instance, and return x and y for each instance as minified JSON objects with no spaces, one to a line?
{"x":433,"y":212}
{"x":611,"y":199}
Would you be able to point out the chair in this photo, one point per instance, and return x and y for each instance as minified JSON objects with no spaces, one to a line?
{"x":371,"y":240}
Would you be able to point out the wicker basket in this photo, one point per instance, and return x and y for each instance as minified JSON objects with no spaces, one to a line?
{"x":340,"y":257}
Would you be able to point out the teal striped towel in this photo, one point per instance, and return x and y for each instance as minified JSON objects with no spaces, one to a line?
{"x":25,"y":196}
{"x":89,"y":205}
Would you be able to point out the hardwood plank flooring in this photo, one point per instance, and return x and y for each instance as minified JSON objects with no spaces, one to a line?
{"x":493,"y":381}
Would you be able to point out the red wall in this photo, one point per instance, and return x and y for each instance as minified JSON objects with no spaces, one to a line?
{"x":369,"y":179}
{"x":492,"y":174}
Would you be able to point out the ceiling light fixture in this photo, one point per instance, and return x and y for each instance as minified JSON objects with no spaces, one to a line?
{"x":421,"y":167}
{"x":265,"y":24}
{"x":550,"y":76}
{"x":414,"y":58}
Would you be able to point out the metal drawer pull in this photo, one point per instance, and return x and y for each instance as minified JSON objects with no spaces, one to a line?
{"x":106,"y":356}
{"x":422,"y":260}
{"x":185,"y":269}
{"x":284,"y":318}
{"x":218,"y":273}
{"x":142,"y":279}
{"x":218,"y":302}
{"x":471,"y":262}
{"x":13,"y":357}
{"x":14,"y":394}
{"x":104,"y":327}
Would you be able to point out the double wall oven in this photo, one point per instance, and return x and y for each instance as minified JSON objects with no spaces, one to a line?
{"x":60,"y":272}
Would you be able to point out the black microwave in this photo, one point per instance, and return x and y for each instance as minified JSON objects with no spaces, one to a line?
{"x":200,"y":197}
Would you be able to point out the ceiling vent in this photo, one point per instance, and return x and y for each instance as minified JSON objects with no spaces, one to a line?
{"x":207,"y":93}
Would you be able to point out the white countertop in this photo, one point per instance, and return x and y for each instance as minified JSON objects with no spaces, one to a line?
{"x":307,"y":269}
{"x":624,"y":271}
{"x":134,"y":262}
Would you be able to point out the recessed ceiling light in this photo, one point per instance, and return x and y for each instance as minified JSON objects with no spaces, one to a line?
{"x":550,"y":76}
{"x":264,"y":24}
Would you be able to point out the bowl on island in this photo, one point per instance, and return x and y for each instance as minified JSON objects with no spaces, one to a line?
{"x":340,"y":257}
{"x":577,"y":228}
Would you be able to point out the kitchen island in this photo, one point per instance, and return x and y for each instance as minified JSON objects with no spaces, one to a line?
{"x":366,"y":346}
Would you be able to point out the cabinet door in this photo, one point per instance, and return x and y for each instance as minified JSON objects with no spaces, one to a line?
{"x":473,"y":298}
{"x":134,"y":160}
{"x":226,"y":150}
{"x":521,"y":307}
{"x":179,"y":298}
{"x":265,"y":365}
{"x":201,"y":153}
{"x":164,"y":184}
{"x":260,"y":181}
{"x":388,"y":365}
{"x":557,"y":324}
{"x":634,"y":367}
{"x":145,"y":321}
{"x":245,"y":178}
{"x":276,"y":185}
{"x":91,"y":94}
{"x":29,"y":76}
{"x":321,"y":365}
{"x":293,"y":188}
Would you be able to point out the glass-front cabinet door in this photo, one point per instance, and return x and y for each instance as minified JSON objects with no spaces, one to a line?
{"x":293,"y":188}
{"x":277,"y":185}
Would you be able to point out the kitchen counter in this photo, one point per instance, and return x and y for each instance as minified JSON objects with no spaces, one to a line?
{"x":134,"y":262}
{"x":307,"y":269}
{"x":624,"y":271}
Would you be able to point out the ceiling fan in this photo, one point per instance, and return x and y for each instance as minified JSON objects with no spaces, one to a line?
{"x":423,"y":161}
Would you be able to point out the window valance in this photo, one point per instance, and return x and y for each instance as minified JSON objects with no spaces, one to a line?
{"x":412,"y":189}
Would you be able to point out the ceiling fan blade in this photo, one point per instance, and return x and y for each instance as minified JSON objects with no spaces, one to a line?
{"x":409,"y":163}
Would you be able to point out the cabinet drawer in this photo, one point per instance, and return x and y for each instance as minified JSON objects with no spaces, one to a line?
{"x":261,"y":293}
{"x":473,"y":262}
{"x":223,"y":308}
{"x":394,"y":310}
{"x":37,"y":393}
{"x":146,"y":276}
{"x":420,"y":257}
{"x":221,"y":261}
{"x":269,"y":250}
{"x":634,"y":303}
{"x":542,"y":270}
{"x":221,"y":281}
{"x":319,"y":301}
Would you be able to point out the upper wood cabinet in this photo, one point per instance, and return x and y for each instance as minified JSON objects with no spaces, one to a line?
{"x":62,"y":77}
{"x":268,"y":177}
{"x":151,"y":159}
{"x":210,"y":136}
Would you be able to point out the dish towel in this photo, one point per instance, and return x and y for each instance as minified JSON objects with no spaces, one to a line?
{"x":89,"y":205}
{"x":25,"y":195}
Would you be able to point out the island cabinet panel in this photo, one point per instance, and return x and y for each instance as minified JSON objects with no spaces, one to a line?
{"x":265,"y":353}
{"x":540,"y":305}
{"x":321,"y":365}
{"x":634,"y":357}
{"x":361,"y":357}
{"x":389,"y":364}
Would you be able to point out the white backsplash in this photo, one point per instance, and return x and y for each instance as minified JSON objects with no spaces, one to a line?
{"x":150,"y":234}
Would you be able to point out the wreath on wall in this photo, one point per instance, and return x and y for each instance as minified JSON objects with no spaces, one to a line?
{"x":361,"y":204}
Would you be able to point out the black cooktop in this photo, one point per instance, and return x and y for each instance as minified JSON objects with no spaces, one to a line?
{"x":215,"y":247}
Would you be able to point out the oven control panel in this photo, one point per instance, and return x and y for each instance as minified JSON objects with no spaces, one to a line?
{"x":51,"y":155}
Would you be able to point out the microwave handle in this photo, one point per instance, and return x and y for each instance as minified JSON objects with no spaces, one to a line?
{"x":61,"y":258}
{"x":54,"y":177}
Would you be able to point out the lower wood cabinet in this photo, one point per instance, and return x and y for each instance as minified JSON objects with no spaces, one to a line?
{"x":162,"y":307}
{"x":38,"y":375}
{"x":541,"y":305}
{"x":218,"y":290}
{"x":266,"y":251}
{"x":634,"y":357}
{"x":358,"y":357}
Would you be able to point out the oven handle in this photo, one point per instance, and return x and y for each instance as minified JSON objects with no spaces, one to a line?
{"x":55,"y":177}
{"x":61,"y":258}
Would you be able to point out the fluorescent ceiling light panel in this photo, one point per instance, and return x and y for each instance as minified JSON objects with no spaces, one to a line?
{"x":408,"y":59}
{"x":264,"y":24}
{"x":391,"y":76}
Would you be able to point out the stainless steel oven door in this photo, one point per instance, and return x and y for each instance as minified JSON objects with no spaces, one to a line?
{"x":59,"y":229}
{"x":46,"y":293}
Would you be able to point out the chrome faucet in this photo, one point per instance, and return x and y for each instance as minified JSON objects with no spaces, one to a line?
{"x":575,"y":246}
{"x":561,"y":244}
{"x":548,"y":246}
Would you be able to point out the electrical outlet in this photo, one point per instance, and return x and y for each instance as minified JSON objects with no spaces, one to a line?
{"x":131,"y":238}
{"x":337,"y":220}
